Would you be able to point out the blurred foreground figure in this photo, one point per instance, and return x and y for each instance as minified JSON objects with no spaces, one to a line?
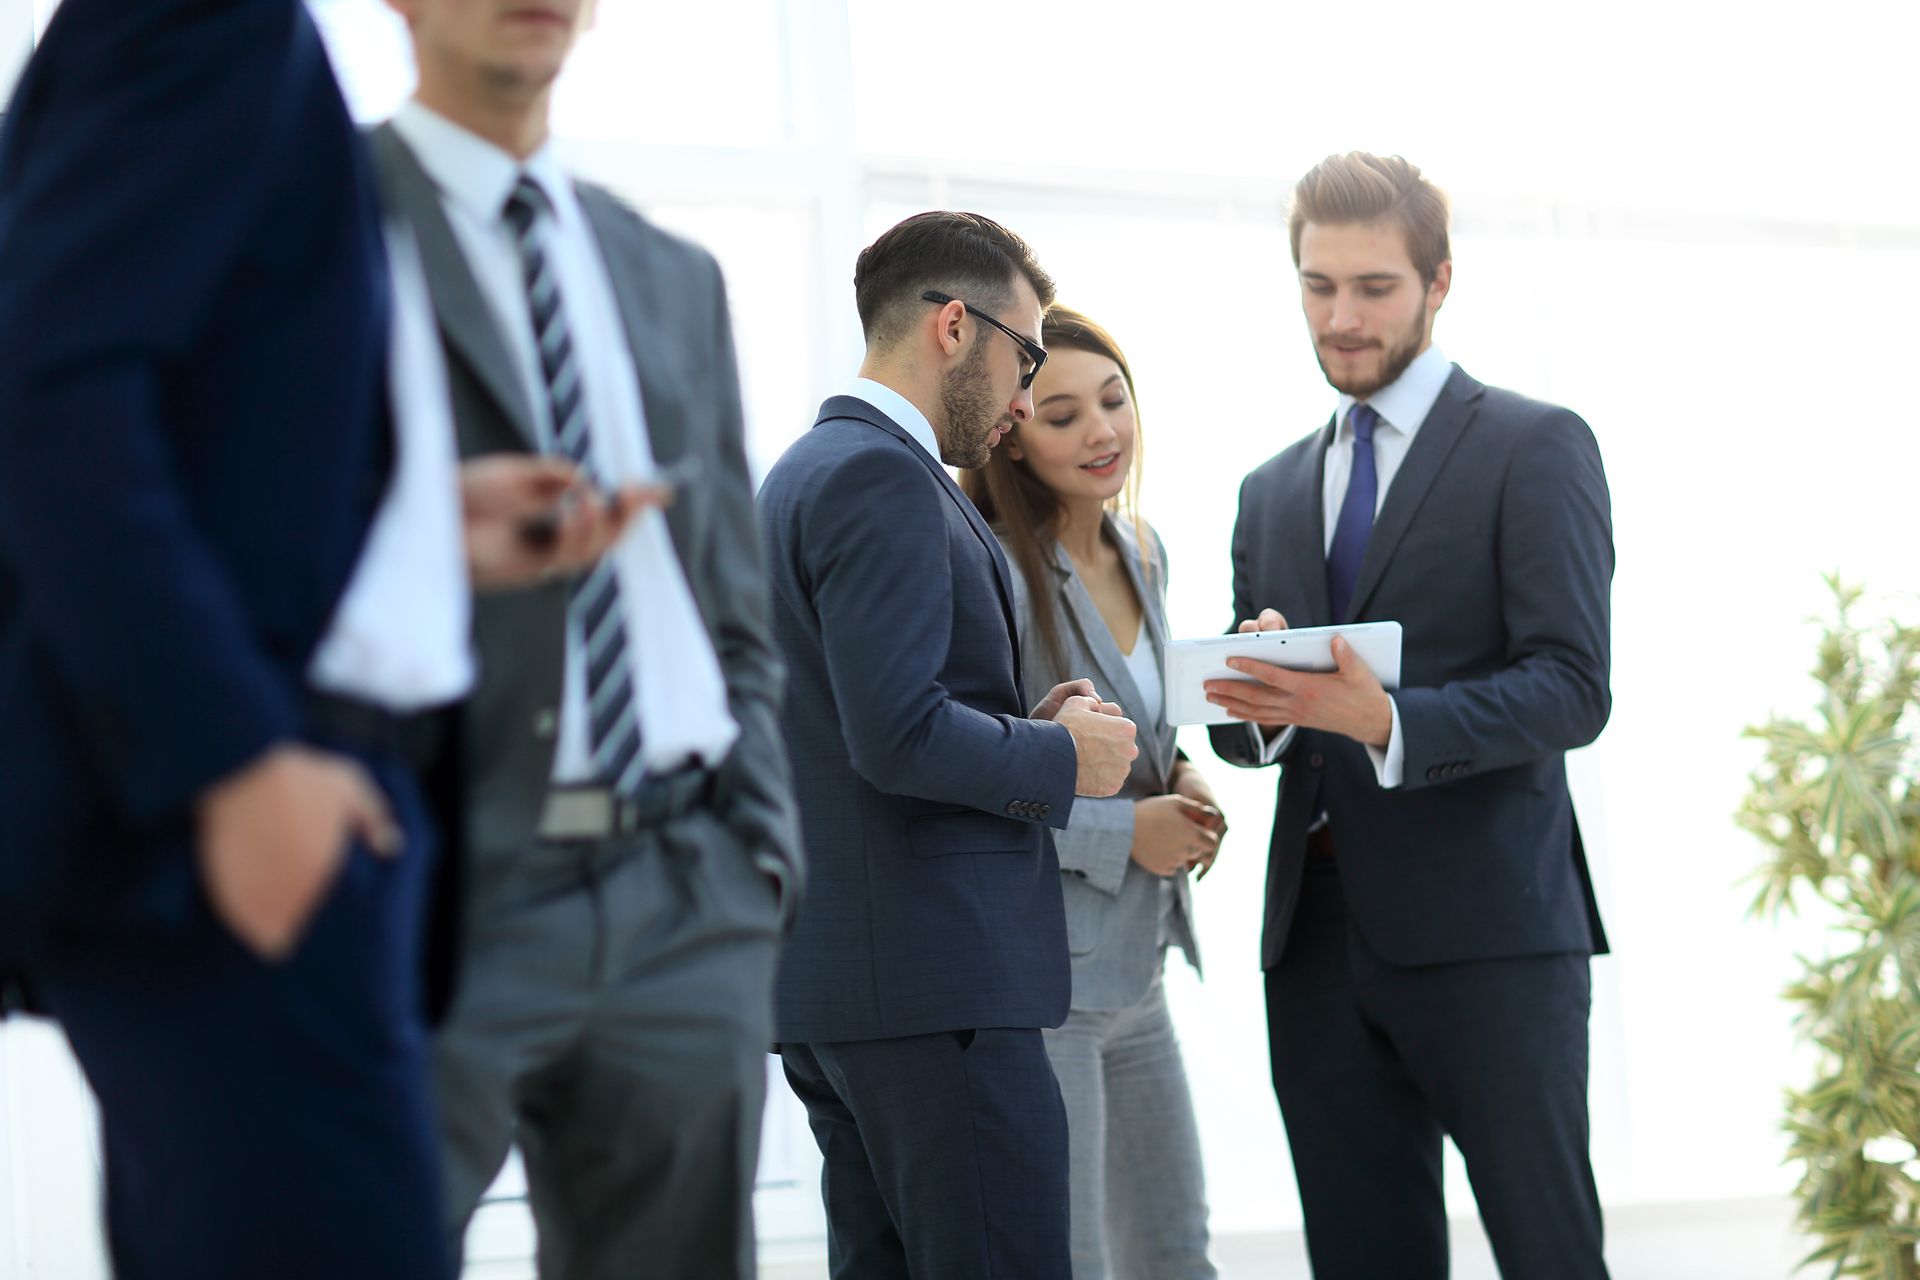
{"x":628,"y":841}
{"x":231,"y":577}
{"x":222,"y":865}
{"x":1429,"y":920}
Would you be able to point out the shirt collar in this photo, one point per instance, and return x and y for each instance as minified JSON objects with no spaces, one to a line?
{"x":474,"y":173}
{"x":903,"y":411}
{"x":1404,"y":403}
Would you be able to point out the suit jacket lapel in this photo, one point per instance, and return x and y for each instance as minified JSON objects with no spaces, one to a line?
{"x":1152,"y":600}
{"x":854,"y":407}
{"x":467,"y":322}
{"x":646,"y":329}
{"x":1110,"y":673}
{"x":1428,"y":454}
{"x":1303,"y":529}
{"x":1107,"y":653}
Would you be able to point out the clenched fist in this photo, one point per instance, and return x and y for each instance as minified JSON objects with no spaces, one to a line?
{"x":1103,"y":744}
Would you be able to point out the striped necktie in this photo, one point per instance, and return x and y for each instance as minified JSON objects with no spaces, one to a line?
{"x":596,"y":607}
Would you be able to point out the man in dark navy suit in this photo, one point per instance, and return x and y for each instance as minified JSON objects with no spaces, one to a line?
{"x":233,"y":574}
{"x":1429,"y":917}
{"x":931,"y":947}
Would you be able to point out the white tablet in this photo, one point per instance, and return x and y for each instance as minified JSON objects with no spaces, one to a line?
{"x":1190,"y":663}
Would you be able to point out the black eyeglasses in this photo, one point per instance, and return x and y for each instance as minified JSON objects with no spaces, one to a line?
{"x":1035,"y":352}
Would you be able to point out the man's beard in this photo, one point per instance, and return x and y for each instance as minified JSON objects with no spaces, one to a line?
{"x":1398,"y":357}
{"x":971,"y":412}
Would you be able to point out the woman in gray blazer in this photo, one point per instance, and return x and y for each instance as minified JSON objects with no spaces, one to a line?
{"x":1090,"y":594}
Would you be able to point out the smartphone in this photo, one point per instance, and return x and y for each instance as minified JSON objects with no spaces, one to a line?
{"x":543,"y":531}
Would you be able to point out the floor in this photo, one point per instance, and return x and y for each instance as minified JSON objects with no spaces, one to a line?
{"x":1737,"y":1240}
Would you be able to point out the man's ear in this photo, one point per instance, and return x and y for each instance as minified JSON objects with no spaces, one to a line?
{"x":1442,"y":282}
{"x":947,"y":327}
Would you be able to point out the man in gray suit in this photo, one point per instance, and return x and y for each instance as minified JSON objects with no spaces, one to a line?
{"x":1429,"y":920}
{"x":629,"y":848}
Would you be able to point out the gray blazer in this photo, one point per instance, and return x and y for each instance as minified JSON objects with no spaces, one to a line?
{"x":673,"y":302}
{"x":1113,"y":904}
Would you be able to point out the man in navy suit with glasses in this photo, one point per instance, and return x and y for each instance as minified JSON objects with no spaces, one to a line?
{"x":931,"y":947}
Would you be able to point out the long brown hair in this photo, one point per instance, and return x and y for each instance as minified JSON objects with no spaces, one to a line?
{"x":1023,"y":510}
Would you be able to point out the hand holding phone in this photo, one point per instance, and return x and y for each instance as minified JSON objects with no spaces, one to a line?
{"x":530,"y":519}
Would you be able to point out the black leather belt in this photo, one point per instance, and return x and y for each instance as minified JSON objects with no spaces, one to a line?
{"x":601,"y":813}
{"x":365,"y":727}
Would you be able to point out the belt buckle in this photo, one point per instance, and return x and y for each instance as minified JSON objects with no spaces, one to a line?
{"x":623,"y":814}
{"x":587,"y":813}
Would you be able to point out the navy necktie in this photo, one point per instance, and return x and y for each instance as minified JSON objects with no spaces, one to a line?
{"x":1355,"y":525}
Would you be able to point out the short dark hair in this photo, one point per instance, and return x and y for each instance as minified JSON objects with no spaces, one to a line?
{"x":963,"y":255}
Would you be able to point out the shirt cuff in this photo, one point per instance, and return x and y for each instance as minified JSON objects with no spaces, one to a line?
{"x":1267,"y":752}
{"x":1390,"y":762}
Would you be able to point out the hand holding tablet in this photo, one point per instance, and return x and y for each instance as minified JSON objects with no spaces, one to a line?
{"x":1191,"y":663}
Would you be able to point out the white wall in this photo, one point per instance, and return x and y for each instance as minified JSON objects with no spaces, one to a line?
{"x":16,"y":40}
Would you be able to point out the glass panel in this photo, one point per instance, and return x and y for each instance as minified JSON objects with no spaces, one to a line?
{"x":17,"y":33}
{"x":1656,"y":106}
{"x":709,"y":74}
{"x":372,"y":54}
{"x":692,"y":74}
{"x":765,"y":252}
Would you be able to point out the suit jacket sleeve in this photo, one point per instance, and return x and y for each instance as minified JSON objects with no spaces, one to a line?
{"x":130,"y":173}
{"x":1098,"y":839}
{"x":881,"y":580}
{"x":759,"y":788}
{"x":1234,"y":742}
{"x":1556,"y":571}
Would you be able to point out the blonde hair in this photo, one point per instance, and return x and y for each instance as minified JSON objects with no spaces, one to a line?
{"x":1360,"y":187}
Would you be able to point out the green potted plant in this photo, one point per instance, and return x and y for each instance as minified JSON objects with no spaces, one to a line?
{"x":1836,"y":799}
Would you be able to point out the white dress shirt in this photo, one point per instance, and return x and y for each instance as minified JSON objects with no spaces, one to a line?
{"x":1402,"y":406}
{"x":680,"y":691}
{"x":905,"y":414}
{"x":400,"y":636}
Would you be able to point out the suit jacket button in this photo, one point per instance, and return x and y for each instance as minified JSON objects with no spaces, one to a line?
{"x":1013,"y":808}
{"x":546,"y":723}
{"x":1316,"y":759}
{"x":1043,"y":810}
{"x":1433,"y":774}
